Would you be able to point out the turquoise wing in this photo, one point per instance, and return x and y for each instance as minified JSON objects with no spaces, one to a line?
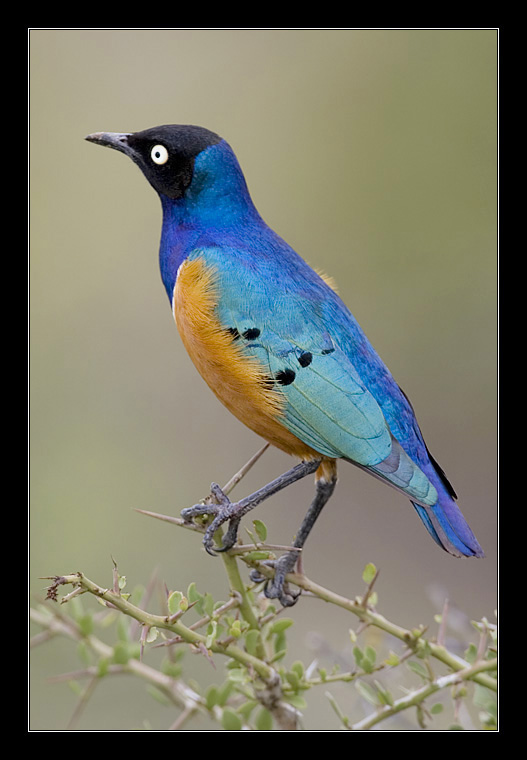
{"x":327,"y":405}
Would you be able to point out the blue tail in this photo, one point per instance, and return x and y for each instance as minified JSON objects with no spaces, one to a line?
{"x":449,"y":529}
{"x":444,"y":520}
{"x":436,"y":506}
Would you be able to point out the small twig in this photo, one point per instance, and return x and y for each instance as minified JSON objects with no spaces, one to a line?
{"x":246,"y":548}
{"x":417,"y":643}
{"x":187,"y":713}
{"x":369,"y":589}
{"x":233,"y":482}
{"x":83,"y":701}
{"x":418,"y":696}
{"x":227,"y":488}
{"x":482,"y":645}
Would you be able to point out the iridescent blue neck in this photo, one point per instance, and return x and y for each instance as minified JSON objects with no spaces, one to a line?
{"x":217,"y":202}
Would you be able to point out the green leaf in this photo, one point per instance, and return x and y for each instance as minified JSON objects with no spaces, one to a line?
{"x":211,"y":696}
{"x":368,"y":574}
{"x":298,"y":668}
{"x":471,"y":653}
{"x":121,"y":653}
{"x":260,"y":529}
{"x":252,"y":641}
{"x":246,"y":709}
{"x":85,"y":623}
{"x":384,"y":695}
{"x":225,"y":691}
{"x":152,"y":634}
{"x":293,"y":680}
{"x":208,"y":604}
{"x":264,"y":720}
{"x":436,"y":709}
{"x":485,"y":699}
{"x":280,"y":643}
{"x":102,"y":666}
{"x":366,"y":691}
{"x":358,"y":655}
{"x":392,"y":660}
{"x":419,"y":669}
{"x":257,"y":555}
{"x":212,"y":629}
{"x":239,"y":675}
{"x":230,"y":720}
{"x":193,"y":594}
{"x":76,"y":688}
{"x":297,"y":701}
{"x":236,"y":629}
{"x":172,"y":669}
{"x":334,"y":704}
{"x":177,"y":602}
{"x":281,"y":625}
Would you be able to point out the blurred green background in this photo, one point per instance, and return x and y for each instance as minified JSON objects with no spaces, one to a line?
{"x":373,"y":153}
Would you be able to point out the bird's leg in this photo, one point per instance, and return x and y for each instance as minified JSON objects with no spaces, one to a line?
{"x":277,"y":588}
{"x":226,"y":511}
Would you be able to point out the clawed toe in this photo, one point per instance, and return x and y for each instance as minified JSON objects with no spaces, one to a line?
{"x":276,"y":587}
{"x":222,"y":510}
{"x":198,"y":510}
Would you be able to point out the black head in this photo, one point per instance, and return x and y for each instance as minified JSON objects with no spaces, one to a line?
{"x":164,"y":154}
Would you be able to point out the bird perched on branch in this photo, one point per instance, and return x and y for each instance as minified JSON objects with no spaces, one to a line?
{"x":278,"y":346}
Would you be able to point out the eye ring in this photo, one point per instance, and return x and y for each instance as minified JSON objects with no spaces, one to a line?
{"x":159,"y":154}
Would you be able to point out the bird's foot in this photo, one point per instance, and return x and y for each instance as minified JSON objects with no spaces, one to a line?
{"x":277,"y":587}
{"x":223,"y":510}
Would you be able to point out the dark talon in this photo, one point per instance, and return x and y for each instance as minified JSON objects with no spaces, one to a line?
{"x":277,"y":588}
{"x":219,"y":497}
{"x":222,"y":510}
{"x":257,"y":577}
{"x":198,"y":510}
{"x":230,"y":538}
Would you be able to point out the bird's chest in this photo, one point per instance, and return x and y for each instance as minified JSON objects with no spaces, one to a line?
{"x":235,"y":377}
{"x":238,"y":379}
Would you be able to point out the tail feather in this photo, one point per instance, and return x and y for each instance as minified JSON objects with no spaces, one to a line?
{"x":433,"y":498}
{"x":449,"y":529}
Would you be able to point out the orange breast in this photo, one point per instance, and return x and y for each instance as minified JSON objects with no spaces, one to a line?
{"x":238,"y":380}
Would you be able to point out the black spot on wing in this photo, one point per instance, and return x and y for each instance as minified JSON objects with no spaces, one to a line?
{"x":251,"y":334}
{"x":285,"y":376}
{"x":305,"y":359}
{"x":234,"y":332}
{"x":327,"y":351}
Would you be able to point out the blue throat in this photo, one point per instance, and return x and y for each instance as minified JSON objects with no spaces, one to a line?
{"x":217,"y":202}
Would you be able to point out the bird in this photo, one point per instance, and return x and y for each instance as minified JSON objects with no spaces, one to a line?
{"x":277,"y":345}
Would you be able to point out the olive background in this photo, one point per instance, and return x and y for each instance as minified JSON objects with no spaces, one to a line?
{"x":373,"y":153}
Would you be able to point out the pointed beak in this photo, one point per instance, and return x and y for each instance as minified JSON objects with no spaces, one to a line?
{"x":116,"y":140}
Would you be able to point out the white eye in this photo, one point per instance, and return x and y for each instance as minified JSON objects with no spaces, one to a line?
{"x":159,"y":154}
